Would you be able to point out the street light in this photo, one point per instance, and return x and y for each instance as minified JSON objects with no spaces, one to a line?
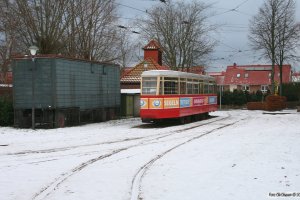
{"x":33,"y":50}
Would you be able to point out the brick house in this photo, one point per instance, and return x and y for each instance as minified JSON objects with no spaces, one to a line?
{"x":253,"y":77}
{"x":219,"y":76}
{"x":296,"y":77}
{"x":131,"y":77}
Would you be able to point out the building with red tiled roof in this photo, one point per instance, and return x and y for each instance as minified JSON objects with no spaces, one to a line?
{"x":219,"y":76}
{"x":153,"y":50}
{"x":130,"y":78}
{"x":296,"y":77}
{"x":254,"y":77}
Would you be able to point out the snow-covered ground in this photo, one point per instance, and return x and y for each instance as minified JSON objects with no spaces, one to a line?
{"x":236,"y":155}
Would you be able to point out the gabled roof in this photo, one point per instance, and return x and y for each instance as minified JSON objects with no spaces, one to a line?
{"x":219,"y":76}
{"x":152,"y":45}
{"x":134,"y":75}
{"x":255,"y":74}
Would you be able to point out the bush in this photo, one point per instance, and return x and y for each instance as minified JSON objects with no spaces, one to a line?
{"x":6,"y":112}
{"x":291,"y":91}
{"x":239,"y":97}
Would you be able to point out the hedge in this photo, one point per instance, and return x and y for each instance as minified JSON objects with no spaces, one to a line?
{"x":6,"y":112}
{"x":291,"y":91}
{"x":239,"y":97}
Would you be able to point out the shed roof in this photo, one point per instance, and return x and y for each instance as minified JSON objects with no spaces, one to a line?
{"x":21,"y":57}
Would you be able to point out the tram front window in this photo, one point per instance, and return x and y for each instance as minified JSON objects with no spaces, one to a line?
{"x":149,"y":85}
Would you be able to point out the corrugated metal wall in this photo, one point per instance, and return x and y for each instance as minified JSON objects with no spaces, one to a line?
{"x":66,"y":91}
{"x":86,"y":85}
{"x":22,"y":83}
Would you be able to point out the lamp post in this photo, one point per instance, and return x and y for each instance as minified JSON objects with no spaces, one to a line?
{"x":33,"y":50}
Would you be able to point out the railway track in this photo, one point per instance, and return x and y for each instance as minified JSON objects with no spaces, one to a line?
{"x":54,"y":150}
{"x":136,"y":190}
{"x":152,"y":139}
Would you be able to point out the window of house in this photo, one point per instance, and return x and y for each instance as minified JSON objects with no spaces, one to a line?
{"x":246,"y":75}
{"x":264,"y":88}
{"x":245,"y":88}
{"x":269,"y":75}
{"x":238,"y":75}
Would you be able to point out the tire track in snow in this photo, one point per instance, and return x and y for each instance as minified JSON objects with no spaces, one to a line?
{"x":46,"y":191}
{"x":54,"y":185}
{"x":136,"y":192}
{"x":164,"y":134}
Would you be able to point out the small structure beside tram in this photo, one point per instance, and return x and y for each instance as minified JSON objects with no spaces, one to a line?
{"x":167,"y":94}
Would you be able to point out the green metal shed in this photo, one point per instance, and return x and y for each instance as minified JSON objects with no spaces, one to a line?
{"x":64,"y":91}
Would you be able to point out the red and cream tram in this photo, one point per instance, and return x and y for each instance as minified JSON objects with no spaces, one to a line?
{"x":167,"y":94}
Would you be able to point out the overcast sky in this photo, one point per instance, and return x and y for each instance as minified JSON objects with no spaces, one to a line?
{"x":232,"y":34}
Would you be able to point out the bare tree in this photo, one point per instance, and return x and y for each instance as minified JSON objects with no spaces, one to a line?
{"x":42,"y":22}
{"x":288,"y":37}
{"x":183,"y":31}
{"x":77,"y":28}
{"x":91,"y":33}
{"x":273,"y":31}
{"x":126,"y":48}
{"x":8,"y":41}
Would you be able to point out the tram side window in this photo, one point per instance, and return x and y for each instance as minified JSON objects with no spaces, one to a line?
{"x":201,"y":87}
{"x":211,"y":87}
{"x":161,"y":83}
{"x":149,"y":85}
{"x":215,"y":89}
{"x":182,"y":86}
{"x":170,"y":85}
{"x":206,"y":88}
{"x":189,"y":88}
{"x":196,"y":88}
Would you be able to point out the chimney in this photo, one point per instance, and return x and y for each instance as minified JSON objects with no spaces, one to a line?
{"x":153,"y":50}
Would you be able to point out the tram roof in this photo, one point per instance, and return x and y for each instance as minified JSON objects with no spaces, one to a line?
{"x":171,"y":73}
